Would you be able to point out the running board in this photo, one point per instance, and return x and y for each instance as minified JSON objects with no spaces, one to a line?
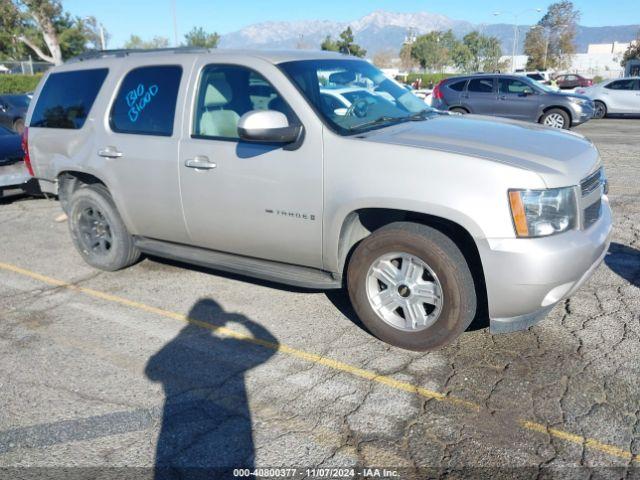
{"x":285,"y":273}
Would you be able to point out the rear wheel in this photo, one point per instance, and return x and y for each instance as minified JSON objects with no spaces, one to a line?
{"x":411,"y":286}
{"x":459,"y":110}
{"x":556,"y":118}
{"x":98,"y":232}
{"x":600,"y":109}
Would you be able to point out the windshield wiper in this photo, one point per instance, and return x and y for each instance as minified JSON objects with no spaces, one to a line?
{"x":377,"y":121}
{"x":421,"y":115}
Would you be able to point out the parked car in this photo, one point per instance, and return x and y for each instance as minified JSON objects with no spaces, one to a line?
{"x":572,"y":80}
{"x":427,"y":218}
{"x":620,"y":96}
{"x":13,"y":109}
{"x":538,"y":76}
{"x":14,"y":175}
{"x":511,"y":96}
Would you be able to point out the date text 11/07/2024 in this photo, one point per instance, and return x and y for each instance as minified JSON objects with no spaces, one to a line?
{"x":335,"y":473}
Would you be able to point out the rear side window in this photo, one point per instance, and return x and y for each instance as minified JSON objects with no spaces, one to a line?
{"x":481,"y":85}
{"x":146,"y":101}
{"x":458,"y":86}
{"x":66,"y":99}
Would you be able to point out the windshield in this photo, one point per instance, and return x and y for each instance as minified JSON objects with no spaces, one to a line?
{"x":369,"y":99}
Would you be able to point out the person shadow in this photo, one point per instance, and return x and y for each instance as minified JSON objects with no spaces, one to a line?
{"x":624,"y":261}
{"x":206,"y":428}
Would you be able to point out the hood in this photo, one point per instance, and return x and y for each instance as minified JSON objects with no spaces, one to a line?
{"x":560,"y":157}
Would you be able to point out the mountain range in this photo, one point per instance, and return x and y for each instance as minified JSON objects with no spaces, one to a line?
{"x":382,"y":30}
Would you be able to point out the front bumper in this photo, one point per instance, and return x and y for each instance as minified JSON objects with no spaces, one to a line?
{"x":525,"y":278}
{"x":13,"y":175}
{"x":581,"y":113}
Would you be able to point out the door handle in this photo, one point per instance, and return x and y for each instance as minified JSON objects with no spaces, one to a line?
{"x":200,"y":162}
{"x":110,"y":152}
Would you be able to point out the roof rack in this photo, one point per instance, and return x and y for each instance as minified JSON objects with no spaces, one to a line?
{"x":124,"y":52}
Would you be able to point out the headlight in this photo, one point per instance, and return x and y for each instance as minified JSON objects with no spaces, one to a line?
{"x":579,"y":101}
{"x":538,"y":213}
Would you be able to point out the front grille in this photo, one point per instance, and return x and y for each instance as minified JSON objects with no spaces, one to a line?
{"x":592,"y":213}
{"x":591,"y":183}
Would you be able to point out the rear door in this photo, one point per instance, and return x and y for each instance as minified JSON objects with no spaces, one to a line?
{"x":517,"y":99}
{"x":620,"y":96}
{"x":138,"y":146}
{"x":480,"y":96}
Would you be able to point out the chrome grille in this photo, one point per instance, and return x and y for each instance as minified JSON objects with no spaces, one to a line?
{"x":592,"y":213}
{"x":591,"y":183}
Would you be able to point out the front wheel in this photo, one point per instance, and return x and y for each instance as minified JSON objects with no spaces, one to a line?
{"x":600,"y":110}
{"x":556,"y":118}
{"x":411,"y":286}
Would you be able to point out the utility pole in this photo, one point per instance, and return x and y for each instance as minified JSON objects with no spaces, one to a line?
{"x":515,"y":32}
{"x":175,"y":23}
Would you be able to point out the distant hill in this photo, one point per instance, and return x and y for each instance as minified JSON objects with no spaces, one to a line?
{"x":383,"y":30}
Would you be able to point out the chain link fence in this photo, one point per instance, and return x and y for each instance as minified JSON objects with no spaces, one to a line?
{"x":25,"y":67}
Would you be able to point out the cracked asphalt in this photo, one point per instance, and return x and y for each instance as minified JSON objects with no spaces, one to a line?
{"x":165,"y":364}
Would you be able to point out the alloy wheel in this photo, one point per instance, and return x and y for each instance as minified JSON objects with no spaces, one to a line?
{"x":554,"y":120}
{"x":404,"y":291}
{"x":95,"y":231}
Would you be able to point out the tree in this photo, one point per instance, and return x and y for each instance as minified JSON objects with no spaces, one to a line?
{"x":407,"y":62}
{"x":550,"y":43}
{"x":329,"y":44}
{"x":477,"y":53}
{"x":197,"y":37}
{"x":383,"y":59}
{"x":135,"y":42}
{"x":632,"y":52}
{"x":43,"y":28}
{"x":345,"y":44}
{"x":434,"y":50}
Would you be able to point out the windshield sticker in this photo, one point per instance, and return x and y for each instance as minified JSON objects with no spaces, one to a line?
{"x":138,"y":99}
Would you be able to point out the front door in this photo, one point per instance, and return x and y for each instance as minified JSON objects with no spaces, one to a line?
{"x":517,"y":99}
{"x":620,"y":96}
{"x":253,"y":199}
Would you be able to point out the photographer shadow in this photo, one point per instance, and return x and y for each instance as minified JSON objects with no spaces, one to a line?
{"x":206,"y":428}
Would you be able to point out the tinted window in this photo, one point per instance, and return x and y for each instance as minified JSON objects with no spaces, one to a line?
{"x":146,"y":101}
{"x":621,"y":85}
{"x":513,"y":86}
{"x":18,"y":101}
{"x":226,"y":93}
{"x":457,"y":86}
{"x":66,"y":99}
{"x":481,"y":85}
{"x":535,"y":76}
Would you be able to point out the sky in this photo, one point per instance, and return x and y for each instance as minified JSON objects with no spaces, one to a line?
{"x":148,"y":18}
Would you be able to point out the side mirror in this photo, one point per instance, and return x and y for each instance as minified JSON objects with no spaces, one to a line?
{"x":267,"y":126}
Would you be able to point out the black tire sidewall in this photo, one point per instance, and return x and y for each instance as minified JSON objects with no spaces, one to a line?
{"x":448,"y":263}
{"x":122,"y":248}
{"x":604,"y":110}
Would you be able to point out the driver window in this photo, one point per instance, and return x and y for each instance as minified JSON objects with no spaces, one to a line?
{"x":226,"y":93}
{"x":513,"y":86}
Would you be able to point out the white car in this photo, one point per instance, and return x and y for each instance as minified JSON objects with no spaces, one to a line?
{"x":619,"y":96}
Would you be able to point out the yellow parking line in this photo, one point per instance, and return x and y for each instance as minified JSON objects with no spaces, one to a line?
{"x":588,"y":443}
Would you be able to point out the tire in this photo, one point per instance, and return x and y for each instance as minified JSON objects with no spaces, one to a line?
{"x":556,"y":118}
{"x":459,"y":110}
{"x":97,"y":230}
{"x":600,"y":110}
{"x":18,"y":125}
{"x":446,"y":266}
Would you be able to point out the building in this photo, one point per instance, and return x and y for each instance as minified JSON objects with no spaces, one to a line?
{"x":615,"y":48}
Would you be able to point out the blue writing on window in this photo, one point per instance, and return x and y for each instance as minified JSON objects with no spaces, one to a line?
{"x":138,"y":98}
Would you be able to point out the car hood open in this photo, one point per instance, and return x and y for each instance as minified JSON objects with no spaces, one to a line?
{"x":560,"y":157}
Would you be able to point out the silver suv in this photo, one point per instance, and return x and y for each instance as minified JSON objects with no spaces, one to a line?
{"x":241,"y":162}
